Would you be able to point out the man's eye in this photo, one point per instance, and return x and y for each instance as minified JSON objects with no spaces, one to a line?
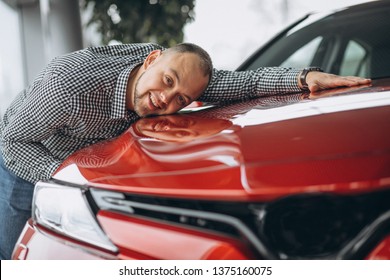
{"x":181,"y":100}
{"x":168,"y":81}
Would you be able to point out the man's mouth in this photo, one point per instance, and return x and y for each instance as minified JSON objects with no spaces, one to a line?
{"x":153,"y":101}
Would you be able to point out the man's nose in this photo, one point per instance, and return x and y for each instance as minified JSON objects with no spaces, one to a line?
{"x":166,"y":97}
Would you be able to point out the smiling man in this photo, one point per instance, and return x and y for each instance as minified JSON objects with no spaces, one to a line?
{"x":166,"y":83}
{"x":97,"y":93}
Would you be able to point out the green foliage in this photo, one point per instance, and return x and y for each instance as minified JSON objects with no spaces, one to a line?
{"x":135,"y":21}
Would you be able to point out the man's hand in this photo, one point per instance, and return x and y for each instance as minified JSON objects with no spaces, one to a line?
{"x":319,"y":81}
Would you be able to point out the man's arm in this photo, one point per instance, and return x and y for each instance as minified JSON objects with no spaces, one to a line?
{"x":243,"y":85}
{"x":234,"y":85}
{"x":35,"y":115}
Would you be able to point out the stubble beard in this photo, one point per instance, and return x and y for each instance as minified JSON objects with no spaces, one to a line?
{"x":137,"y":99}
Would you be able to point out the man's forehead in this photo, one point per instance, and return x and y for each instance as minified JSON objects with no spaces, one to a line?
{"x":182,"y":67}
{"x":185,"y":56}
{"x":175,"y":73}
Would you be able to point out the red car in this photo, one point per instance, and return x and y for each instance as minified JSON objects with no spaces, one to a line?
{"x":279,"y":177}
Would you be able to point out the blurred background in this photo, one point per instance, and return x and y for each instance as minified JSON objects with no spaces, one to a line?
{"x":35,"y":31}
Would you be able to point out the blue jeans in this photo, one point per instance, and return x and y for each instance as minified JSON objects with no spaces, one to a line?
{"x":15,"y":208}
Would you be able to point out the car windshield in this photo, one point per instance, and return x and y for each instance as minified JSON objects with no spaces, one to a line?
{"x":348,"y":42}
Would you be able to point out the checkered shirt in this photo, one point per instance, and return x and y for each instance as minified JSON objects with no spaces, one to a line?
{"x":79,"y":99}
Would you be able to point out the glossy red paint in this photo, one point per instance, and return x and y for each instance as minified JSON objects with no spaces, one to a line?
{"x":172,"y":242}
{"x":382,"y":251}
{"x":245,"y":162}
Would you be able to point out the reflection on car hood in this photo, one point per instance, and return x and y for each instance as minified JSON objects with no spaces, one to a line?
{"x":339,"y":141}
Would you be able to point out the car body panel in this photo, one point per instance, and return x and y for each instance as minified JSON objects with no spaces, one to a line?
{"x":382,"y":251}
{"x":39,"y":243}
{"x":188,"y":244}
{"x":238,"y":161}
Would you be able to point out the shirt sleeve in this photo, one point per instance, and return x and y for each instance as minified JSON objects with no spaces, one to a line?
{"x":138,"y":49}
{"x":242,"y":85}
{"x":42,"y":110}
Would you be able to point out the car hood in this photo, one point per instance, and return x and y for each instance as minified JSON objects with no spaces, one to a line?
{"x":335,"y":141}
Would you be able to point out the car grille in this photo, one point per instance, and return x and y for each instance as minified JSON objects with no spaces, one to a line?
{"x":309,"y":226}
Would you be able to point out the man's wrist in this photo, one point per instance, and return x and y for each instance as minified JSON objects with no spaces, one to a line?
{"x":302,"y":83}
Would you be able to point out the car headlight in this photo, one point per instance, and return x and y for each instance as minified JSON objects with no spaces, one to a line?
{"x":65,"y":210}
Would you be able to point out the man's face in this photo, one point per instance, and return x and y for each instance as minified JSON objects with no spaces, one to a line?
{"x":169,"y":82}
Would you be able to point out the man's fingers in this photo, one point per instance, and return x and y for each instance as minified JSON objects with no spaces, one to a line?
{"x":358,"y":80}
{"x":319,"y":81}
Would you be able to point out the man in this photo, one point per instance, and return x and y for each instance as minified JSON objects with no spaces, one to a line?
{"x":96,"y":93}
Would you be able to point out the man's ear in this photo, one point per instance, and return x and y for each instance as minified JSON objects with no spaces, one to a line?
{"x":153,"y":55}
